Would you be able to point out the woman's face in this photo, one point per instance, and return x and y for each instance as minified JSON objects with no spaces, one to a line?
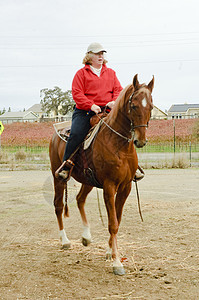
{"x":97,"y":59}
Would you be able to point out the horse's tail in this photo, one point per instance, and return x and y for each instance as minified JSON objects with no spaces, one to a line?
{"x":66,"y":212}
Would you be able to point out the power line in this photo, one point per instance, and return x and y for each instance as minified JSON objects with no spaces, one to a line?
{"x":96,"y":36}
{"x":113,"y":44}
{"x":139,"y":44}
{"x":118,"y":63}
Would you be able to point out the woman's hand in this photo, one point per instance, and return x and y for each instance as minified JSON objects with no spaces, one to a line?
{"x":110,"y":104}
{"x":96,"y":108}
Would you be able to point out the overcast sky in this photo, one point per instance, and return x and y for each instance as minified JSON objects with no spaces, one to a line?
{"x":43,"y":42}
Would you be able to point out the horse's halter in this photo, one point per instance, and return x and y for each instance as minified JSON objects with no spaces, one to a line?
{"x":133,"y":127}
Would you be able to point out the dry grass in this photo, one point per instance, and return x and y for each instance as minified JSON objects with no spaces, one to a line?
{"x":22,"y":160}
{"x":20,"y":155}
{"x":179,"y":161}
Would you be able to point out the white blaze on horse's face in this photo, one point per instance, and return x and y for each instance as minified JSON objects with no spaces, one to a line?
{"x":139,"y":133}
{"x":144,"y":102}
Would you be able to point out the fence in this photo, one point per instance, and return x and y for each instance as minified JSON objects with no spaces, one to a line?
{"x":169,"y":155}
{"x":169,"y":140}
{"x":151,"y":156}
{"x":40,"y":120}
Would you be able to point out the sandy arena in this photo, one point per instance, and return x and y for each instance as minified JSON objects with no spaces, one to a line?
{"x":160,"y":255}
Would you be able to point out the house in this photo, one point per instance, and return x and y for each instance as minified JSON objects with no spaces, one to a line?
{"x":18,"y":116}
{"x":157,"y":113}
{"x":183,"y":111}
{"x":36,"y":109}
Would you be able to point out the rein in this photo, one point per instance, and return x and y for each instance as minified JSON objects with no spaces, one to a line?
{"x":132,"y":130}
{"x":113,"y":130}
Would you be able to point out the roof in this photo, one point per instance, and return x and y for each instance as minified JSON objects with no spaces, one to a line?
{"x":35,"y":108}
{"x":182,"y":107}
{"x":154,"y":106}
{"x":17,"y":115}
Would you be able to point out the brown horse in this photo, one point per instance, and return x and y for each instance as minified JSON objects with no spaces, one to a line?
{"x":113,"y":159}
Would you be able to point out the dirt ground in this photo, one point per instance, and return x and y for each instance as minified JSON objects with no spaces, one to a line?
{"x":161,"y":255}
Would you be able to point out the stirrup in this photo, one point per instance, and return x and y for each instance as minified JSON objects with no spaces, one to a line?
{"x":64,"y":174}
{"x":65,"y":170}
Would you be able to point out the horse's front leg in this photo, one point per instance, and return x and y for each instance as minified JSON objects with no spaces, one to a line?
{"x":113,"y":225}
{"x":121,"y":197}
{"x":122,"y":194}
{"x":81,"y":198}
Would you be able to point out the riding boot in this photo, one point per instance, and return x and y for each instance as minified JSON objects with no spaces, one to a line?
{"x":65,"y":170}
{"x":139,"y":174}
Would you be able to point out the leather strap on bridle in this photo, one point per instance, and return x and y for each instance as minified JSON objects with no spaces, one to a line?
{"x":132,"y":130}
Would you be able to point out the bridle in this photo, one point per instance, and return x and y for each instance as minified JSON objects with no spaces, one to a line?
{"x":133,"y":127}
{"x":130,"y":111}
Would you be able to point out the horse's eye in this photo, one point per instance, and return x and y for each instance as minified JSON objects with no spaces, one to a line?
{"x":133,"y":106}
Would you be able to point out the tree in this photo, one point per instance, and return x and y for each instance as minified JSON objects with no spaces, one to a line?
{"x":56,"y":100}
{"x":2,"y":111}
{"x":196,"y":130}
{"x":68,"y":104}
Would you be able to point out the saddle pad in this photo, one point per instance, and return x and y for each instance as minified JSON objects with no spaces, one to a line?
{"x":91,"y":135}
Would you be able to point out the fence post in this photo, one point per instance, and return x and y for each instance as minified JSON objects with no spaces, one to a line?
{"x":174,"y":136}
{"x":190,"y":152}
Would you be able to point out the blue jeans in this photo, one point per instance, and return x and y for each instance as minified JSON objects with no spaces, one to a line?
{"x":79,"y":129}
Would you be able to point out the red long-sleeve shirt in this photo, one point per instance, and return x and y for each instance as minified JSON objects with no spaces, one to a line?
{"x":89,"y":89}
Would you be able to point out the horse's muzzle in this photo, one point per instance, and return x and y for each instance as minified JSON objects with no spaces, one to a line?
{"x":140,"y":144}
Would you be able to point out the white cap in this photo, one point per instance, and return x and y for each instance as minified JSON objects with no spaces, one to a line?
{"x":95,"y":48}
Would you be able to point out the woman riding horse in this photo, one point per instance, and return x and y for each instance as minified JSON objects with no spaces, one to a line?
{"x":113,"y":158}
{"x":94,"y":86}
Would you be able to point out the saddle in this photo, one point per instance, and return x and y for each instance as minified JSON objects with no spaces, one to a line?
{"x":63,"y":131}
{"x":96,"y":118}
{"x":63,"y":128}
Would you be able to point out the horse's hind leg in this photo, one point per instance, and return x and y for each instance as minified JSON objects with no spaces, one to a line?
{"x":58,"y":203}
{"x":81,"y":198}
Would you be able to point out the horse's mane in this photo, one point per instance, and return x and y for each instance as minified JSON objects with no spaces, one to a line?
{"x":123,"y":98}
{"x":120,"y":102}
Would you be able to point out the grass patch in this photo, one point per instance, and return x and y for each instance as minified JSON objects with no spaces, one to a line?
{"x":34,"y":149}
{"x":177,"y":161}
{"x":16,"y":158}
{"x":169,"y":147}
{"x":151,"y":156}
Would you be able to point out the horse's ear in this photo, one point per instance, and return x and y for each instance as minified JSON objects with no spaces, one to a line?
{"x":136,"y":82}
{"x":151,"y":85}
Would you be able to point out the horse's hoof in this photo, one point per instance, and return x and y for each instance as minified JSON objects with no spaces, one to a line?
{"x":85,"y":242}
{"x":118,"y":271}
{"x":66,"y":246}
